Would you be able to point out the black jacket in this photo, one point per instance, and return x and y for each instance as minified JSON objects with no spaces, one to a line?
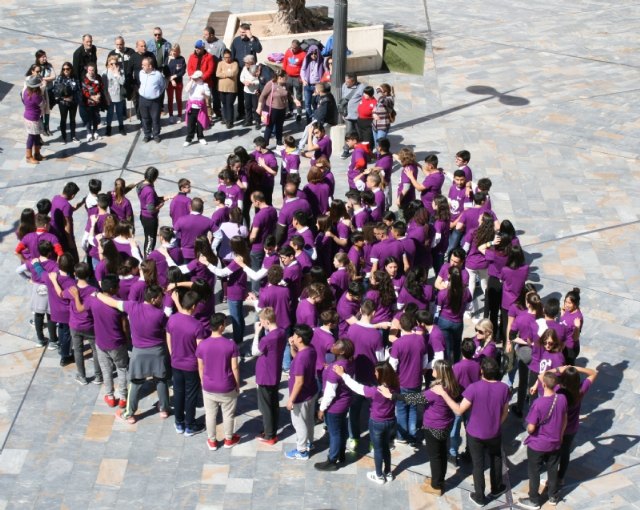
{"x":81,"y":59}
{"x":136,"y":58}
{"x":327,"y":111}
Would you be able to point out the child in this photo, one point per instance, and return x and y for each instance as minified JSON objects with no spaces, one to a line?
{"x":290,"y":156}
{"x":573,"y":320}
{"x":267,"y":161}
{"x":406,"y":191}
{"x":221,"y":213}
{"x":229,"y":186}
{"x":59,"y":305}
{"x":384,"y":161}
{"x":462,"y":162}
{"x":457,"y":199}
{"x":306,"y":311}
{"x":318,"y":144}
{"x":345,"y":272}
{"x":297,"y":243}
{"x":356,"y":253}
{"x":359,"y":157}
{"x":359,"y":214}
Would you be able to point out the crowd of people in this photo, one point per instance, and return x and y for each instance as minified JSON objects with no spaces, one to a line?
{"x":361,"y":301}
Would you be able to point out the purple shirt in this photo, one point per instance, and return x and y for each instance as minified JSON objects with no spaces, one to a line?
{"x":457,"y":199}
{"x":567,"y":319}
{"x":184,"y":331}
{"x":199,"y":270}
{"x":304,"y":364}
{"x":496,"y":260}
{"x":322,"y":342}
{"x":60,"y":210}
{"x":470,"y":218}
{"x":488,"y":350}
{"x":342,"y":400}
{"x":358,"y":156}
{"x":433,"y":187}
{"x":346,"y":309}
{"x":278,"y":298}
{"x":339,"y":281}
{"x":306,"y":313}
{"x":292,"y":275}
{"x":360,"y":218}
{"x":289,"y":208}
{"x":80,"y":321}
{"x":475,"y":258}
{"x":437,"y":415}
{"x":269,"y":363}
{"x":441,"y":227}
{"x":385,"y":161}
{"x":404,"y":297}
{"x":367,"y":343}
{"x":216,"y":354}
{"x":59,"y":306}
{"x":325,"y":148}
{"x":382,"y":409}
{"x":237,"y":283}
{"x":546,"y":361}
{"x":136,"y":291}
{"x":467,"y":371}
{"x":31,"y":241}
{"x":189,"y":227}
{"x":446,"y":312}
{"x":180,"y":206}
{"x":388,"y":247}
{"x":107,"y":325}
{"x":219,"y":216}
{"x":123,"y":210}
{"x":409,"y":351}
{"x":548,"y":434}
{"x":265,"y":220}
{"x":435,"y":341}
{"x":149,"y":200}
{"x":444,"y":274}
{"x":317,"y":194}
{"x":233,"y":193}
{"x":147,"y":324}
{"x":383,"y":313}
{"x":405,"y":183}
{"x":125,"y":285}
{"x":573,"y":411}
{"x":162,"y":267}
{"x":513,"y":281}
{"x":488,"y":400}
{"x":269,"y":159}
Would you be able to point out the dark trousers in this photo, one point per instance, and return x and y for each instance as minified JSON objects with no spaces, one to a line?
{"x":275,"y":125}
{"x":454,"y":241}
{"x":338,"y":432}
{"x":228,"y":99}
{"x":492,"y":302}
{"x":77,"y":340}
{"x":92,"y":120}
{"x":38,"y":322}
{"x":257,"y":257}
{"x":150,"y":114}
{"x":150,"y":228}
{"x":215,"y":96}
{"x":565,"y":452}
{"x":64,"y":340}
{"x":570,"y":354}
{"x":69,"y":109}
{"x":535,"y":462}
{"x":354,"y":416}
{"x":381,"y":434}
{"x":526,"y":379}
{"x":186,"y":385}
{"x":240,"y":94}
{"x":350,"y":126}
{"x":294,"y":86}
{"x":193,"y":126}
{"x":365,"y":132}
{"x":477,"y":449}
{"x":269,"y":407}
{"x":437,"y":451}
{"x":133,"y":398}
{"x":250,"y":105}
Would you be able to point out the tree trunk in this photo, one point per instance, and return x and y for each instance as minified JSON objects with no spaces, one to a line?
{"x":293,"y":17}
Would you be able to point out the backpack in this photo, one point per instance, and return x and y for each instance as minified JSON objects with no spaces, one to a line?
{"x":311,"y":42}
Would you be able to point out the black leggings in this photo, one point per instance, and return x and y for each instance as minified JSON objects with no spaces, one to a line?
{"x":150,"y":228}
{"x":71,"y":109}
{"x":38,"y":322}
{"x":492,"y":301}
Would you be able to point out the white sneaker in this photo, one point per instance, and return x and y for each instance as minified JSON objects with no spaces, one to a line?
{"x":380,"y":480}
{"x":178,"y":120}
{"x":96,"y":136}
{"x":467,"y":315}
{"x":202,"y":141}
{"x":186,"y":144}
{"x":89,"y":137}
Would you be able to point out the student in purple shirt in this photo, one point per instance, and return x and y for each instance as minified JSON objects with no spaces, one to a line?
{"x":269,"y":349}
{"x":451,"y":304}
{"x":415,"y":289}
{"x":457,"y":199}
{"x":292,"y":203}
{"x":58,"y":304}
{"x":307,"y":311}
{"x":62,"y":217}
{"x":441,"y":230}
{"x":497,"y":256}
{"x":264,"y":224}
{"x":191,"y":226}
{"x":348,"y":307}
{"x":572,"y":320}
{"x":345,"y":272}
{"x":231,"y":189}
{"x":302,"y":390}
{"x":359,"y":214}
{"x":334,"y":405}
{"x":266,"y":160}
{"x":431,"y":186}
{"x":488,"y":400}
{"x":218,"y":364}
{"x":276,"y":295}
{"x":317,"y":191}
{"x":406,"y":191}
{"x":457,"y":258}
{"x":221,"y":213}
{"x":546,"y":355}
{"x":485,"y":345}
{"x":149,"y":357}
{"x":184,"y":332}
{"x":382,"y":421}
{"x":323,"y":340}
{"x":318,"y":144}
{"x":513,"y":277}
{"x":181,"y":203}
{"x":546,"y":423}
{"x":150,"y":205}
{"x":476,"y":264}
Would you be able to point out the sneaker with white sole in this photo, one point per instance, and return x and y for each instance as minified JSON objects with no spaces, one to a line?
{"x":297,"y":455}
{"x":380,"y":480}
{"x":186,"y":144}
{"x":352,"y":444}
{"x":202,"y":141}
{"x":89,"y":137}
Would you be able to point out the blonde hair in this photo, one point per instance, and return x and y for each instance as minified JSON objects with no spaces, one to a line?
{"x":445,"y":376}
{"x":344,"y":260}
{"x":112,"y":58}
{"x":407,"y":157}
{"x":387,"y":89}
{"x":176,"y":48}
{"x":487,"y":326}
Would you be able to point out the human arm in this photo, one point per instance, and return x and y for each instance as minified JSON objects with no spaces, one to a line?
{"x":327,"y":397}
{"x":255,"y":349}
{"x":235,"y":368}
{"x":56,"y":286}
{"x":220,"y":272}
{"x":76,"y":299}
{"x":109,"y":301}
{"x":417,"y":185}
{"x":297,"y":387}
{"x":458,"y":409}
{"x":169,"y":342}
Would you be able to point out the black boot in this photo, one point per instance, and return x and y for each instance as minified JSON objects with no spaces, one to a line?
{"x":108,"y":133}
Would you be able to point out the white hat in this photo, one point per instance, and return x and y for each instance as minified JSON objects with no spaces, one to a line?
{"x":196,"y":75}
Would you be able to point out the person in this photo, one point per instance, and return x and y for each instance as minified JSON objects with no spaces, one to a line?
{"x":62,"y":273}
{"x":177,"y":68}
{"x":84,"y":55}
{"x":228,"y":74}
{"x":546,"y":423}
{"x":138,"y":56}
{"x":303,"y":390}
{"x":151,"y":93}
{"x":451,"y":304}
{"x":251,"y":86}
{"x":160,"y":48}
{"x":364,"y":121}
{"x":272,"y":106}
{"x":311,"y":73}
{"x":214,"y":47}
{"x":218,"y":364}
{"x":245,"y":43}
{"x":200,"y":60}
{"x":292,"y":63}
{"x":124,"y":57}
{"x":476,"y":242}
{"x":264,"y":222}
{"x":269,"y":349}
{"x":92,"y":99}
{"x":572,"y":320}
{"x":488,"y":400}
{"x":115,"y":93}
{"x":383,"y":111}
{"x":181,"y":203}
{"x":32,"y":99}
{"x":191,"y":226}
{"x":328,"y":68}
{"x":62,"y":217}
{"x":150,"y":205}
{"x":351,"y":95}
{"x":48,"y":77}
{"x":66,"y":91}
{"x":484,"y":342}
{"x":198,"y":101}
{"x":184,"y":333}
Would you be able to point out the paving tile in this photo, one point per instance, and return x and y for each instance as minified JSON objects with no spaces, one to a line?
{"x":111,"y":472}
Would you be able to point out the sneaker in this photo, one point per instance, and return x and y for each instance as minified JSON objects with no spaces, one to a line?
{"x":186,"y":144}
{"x":230,"y":443}
{"x":327,"y":465}
{"x":298,"y":118}
{"x":310,"y":446}
{"x":467,"y":315}
{"x":344,"y":155}
{"x":389,"y":477}
{"x":53,"y":346}
{"x":89,"y":137}
{"x":479,"y":501}
{"x":269,"y":442}
{"x":380,"y":480}
{"x":122,"y":403}
{"x":122,"y":131}
{"x":82,"y":381}
{"x":75,"y":139}
{"x":97,"y":380}
{"x":427,"y":488}
{"x":156,"y":139}
{"x":178,"y":120}
{"x":212,"y":444}
{"x":146,"y":139}
{"x":202,"y":141}
{"x":498,"y":492}
{"x":42,"y":342}
{"x":193,"y":430}
{"x":352,"y":444}
{"x":554,"y":500}
{"x":66,"y":360}
{"x":179,"y":427}
{"x":297,"y":455}
{"x":128,"y":419}
{"x":453,"y":460}
{"x":109,"y":400}
{"x":528,"y":503}
{"x":400,"y":440}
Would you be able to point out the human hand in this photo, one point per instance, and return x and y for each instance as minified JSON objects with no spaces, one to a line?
{"x":339,"y":370}
{"x":290,"y":405}
{"x":438,"y":389}
{"x":533,"y":390}
{"x":239,"y":260}
{"x":53,"y":276}
{"x":384,"y":391}
{"x":203,"y":260}
{"x":321,"y":415}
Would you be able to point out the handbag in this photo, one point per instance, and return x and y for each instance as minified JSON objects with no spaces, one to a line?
{"x":343,"y":105}
{"x":265,"y":116}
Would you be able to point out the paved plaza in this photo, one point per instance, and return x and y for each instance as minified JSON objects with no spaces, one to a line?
{"x":545,"y":97}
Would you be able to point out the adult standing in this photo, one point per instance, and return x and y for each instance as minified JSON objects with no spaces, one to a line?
{"x":245,"y":43}
{"x":292,"y":65}
{"x":264,"y":222}
{"x":48,"y":77}
{"x":177,"y":69}
{"x":272,"y":106}
{"x":383,"y":112}
{"x":62,"y":217}
{"x":151,"y":93}
{"x":452,"y":302}
{"x":137,"y":57}
{"x":488,"y":400}
{"x":124,"y":57}
{"x":351,"y":96}
{"x":32,"y":100}
{"x":161,"y":48}
{"x":251,"y":82}
{"x":311,"y":74}
{"x":215,"y":47}
{"x":228,"y":74}
{"x":114,"y":86}
{"x":86,"y":54}
{"x":150,"y":205}
{"x":66,"y":90}
{"x":92,"y":98}
{"x":200,"y":60}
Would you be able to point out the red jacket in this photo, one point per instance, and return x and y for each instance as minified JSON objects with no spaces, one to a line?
{"x":292,"y":62}
{"x":207,"y":66}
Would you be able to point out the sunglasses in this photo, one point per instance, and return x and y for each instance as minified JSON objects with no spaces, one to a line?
{"x":66,"y":69}
{"x":480,"y":331}
{"x":158,"y":35}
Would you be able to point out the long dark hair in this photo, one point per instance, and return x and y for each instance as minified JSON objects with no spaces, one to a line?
{"x":338,"y":211}
{"x":442,"y":210}
{"x":515,"y":257}
{"x":455,"y":289}
{"x":415,"y":282}
{"x":485,"y":231}
{"x":386,"y":375}
{"x":149,"y":272}
{"x":239,"y":246}
{"x":202,"y":247}
{"x":384,"y":286}
{"x":27,"y":223}
{"x":570,"y":381}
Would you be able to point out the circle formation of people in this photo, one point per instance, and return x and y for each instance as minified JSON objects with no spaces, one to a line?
{"x":361,"y":307}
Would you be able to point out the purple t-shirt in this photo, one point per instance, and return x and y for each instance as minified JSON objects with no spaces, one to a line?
{"x":317,"y":194}
{"x":162,"y":267}
{"x":147,"y":324}
{"x":342,"y":400}
{"x":488,"y":400}
{"x":467,"y":371}
{"x":219,"y":216}
{"x":339,"y":281}
{"x":385,"y":161}
{"x":548,"y":434}
{"x":306,"y":313}
{"x":475,"y":258}
{"x":409,"y":351}
{"x":437,"y":414}
{"x":358,"y":157}
{"x":496,"y":260}
{"x":322,"y":342}
{"x":269,"y":159}
{"x":367,"y":342}
{"x":198,"y":270}
{"x":382,"y":409}
{"x":58,"y":306}
{"x":435,"y":341}
{"x":441,"y":227}
{"x":80,"y":321}
{"x":405,"y":183}
{"x":149,"y":200}
{"x":292,"y":275}
{"x":136,"y":291}
{"x":60,"y":209}
{"x":457,"y":199}
{"x":31,"y":241}
{"x":573,"y":411}
{"x":125,"y":285}
{"x":184,"y":331}
{"x":404,"y":297}
{"x":387,"y":248}
{"x":470,"y":218}
{"x":189,"y":228}
{"x":512,"y":282}
{"x":123,"y":210}
{"x":236,"y":283}
{"x":561,"y":332}
{"x":383,"y":313}
{"x":107,"y":324}
{"x":325,"y":147}
{"x":444,"y":274}
{"x":265,"y":221}
{"x":546,"y":361}
{"x":180,"y":206}
{"x":304,"y":364}
{"x":360,"y":218}
{"x":216,"y":354}
{"x":278,"y":298}
{"x":289,"y":208}
{"x":567,"y":319}
{"x":346,"y":309}
{"x":446,"y":312}
{"x":433,"y":186}
{"x":269,"y":364}
{"x":488,"y":350}
{"x":233,"y":193}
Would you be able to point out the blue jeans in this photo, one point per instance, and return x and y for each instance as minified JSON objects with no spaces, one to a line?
{"x":118,"y":108}
{"x":309,"y":102}
{"x":381,"y":434}
{"x":286,"y":358}
{"x":237,"y":320}
{"x":64,"y":340}
{"x":407,"y":416}
{"x":379,"y":134}
{"x":338,"y":431}
{"x":454,"y":436}
{"x":452,"y":332}
{"x":257,"y":257}
{"x":454,"y":241}
{"x":354,"y":416}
